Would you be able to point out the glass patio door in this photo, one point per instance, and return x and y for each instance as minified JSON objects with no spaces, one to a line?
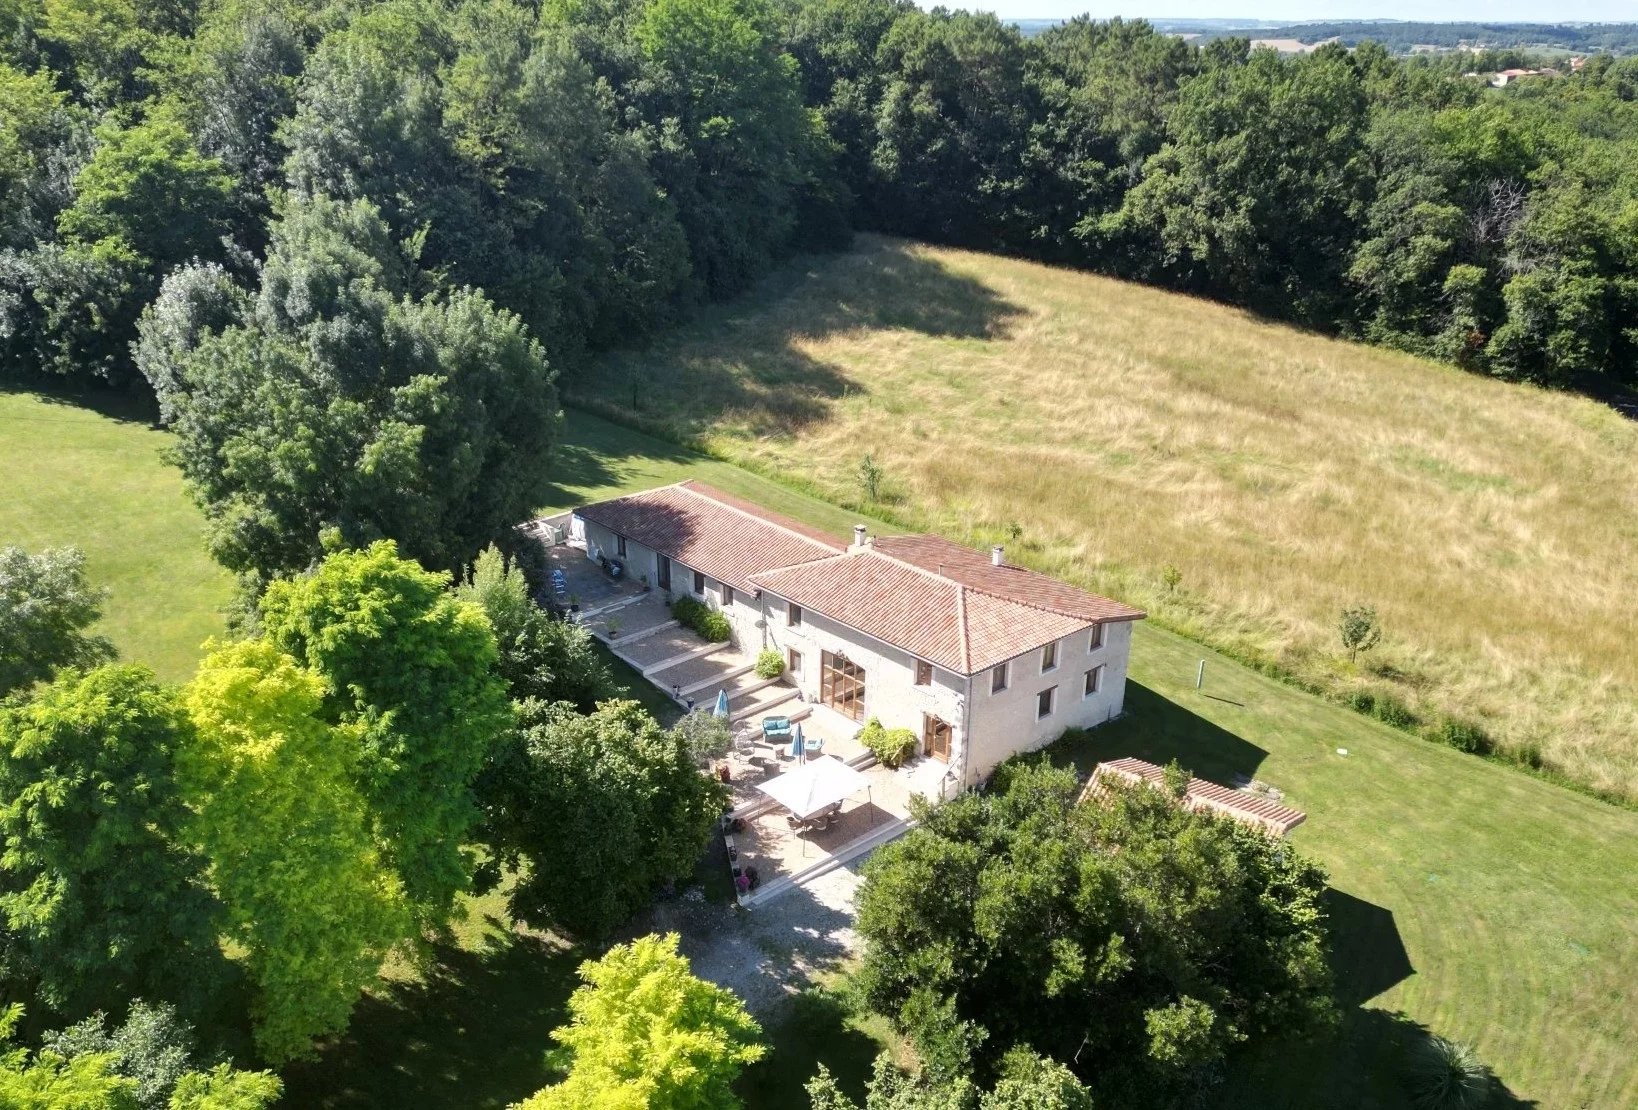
{"x":842,"y":685}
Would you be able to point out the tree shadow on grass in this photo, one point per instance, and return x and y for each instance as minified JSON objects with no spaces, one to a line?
{"x":605,"y":455}
{"x":754,"y":369}
{"x":820,"y":1029}
{"x":1364,"y":1062}
{"x":1157,"y":729}
{"x":472,"y":1034}
{"x":134,"y":404}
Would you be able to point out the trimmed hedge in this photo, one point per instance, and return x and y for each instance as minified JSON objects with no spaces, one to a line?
{"x":704,"y":621}
{"x":770,"y":664}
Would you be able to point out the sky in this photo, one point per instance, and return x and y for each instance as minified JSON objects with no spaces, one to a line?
{"x":1522,"y":11}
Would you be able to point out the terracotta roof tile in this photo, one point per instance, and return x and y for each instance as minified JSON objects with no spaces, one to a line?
{"x":975,"y":570}
{"x":1242,"y":805}
{"x":710,"y":531}
{"x":936,"y":599}
{"x":942,"y":602}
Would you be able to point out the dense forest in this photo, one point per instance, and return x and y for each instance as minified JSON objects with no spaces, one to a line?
{"x":227,"y":174}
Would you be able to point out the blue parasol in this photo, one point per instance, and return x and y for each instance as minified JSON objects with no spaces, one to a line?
{"x":722,"y":705}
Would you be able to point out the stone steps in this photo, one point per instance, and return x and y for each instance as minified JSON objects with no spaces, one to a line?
{"x":648,"y":651}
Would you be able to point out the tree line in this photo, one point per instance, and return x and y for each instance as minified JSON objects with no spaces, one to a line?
{"x":305,"y":188}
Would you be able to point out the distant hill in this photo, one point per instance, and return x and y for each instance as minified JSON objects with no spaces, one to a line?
{"x":1402,"y":37}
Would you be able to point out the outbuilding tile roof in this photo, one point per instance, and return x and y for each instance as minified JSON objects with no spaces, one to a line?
{"x":710,"y":531}
{"x":1242,"y":805}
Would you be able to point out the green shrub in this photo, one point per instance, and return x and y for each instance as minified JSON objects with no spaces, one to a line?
{"x":770,"y":664}
{"x":1391,"y":711}
{"x":1464,"y":736}
{"x":1447,"y":1075}
{"x":892,"y":746}
{"x":703,"y":620}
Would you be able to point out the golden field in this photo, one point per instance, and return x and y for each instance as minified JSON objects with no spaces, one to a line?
{"x":1108,"y":431}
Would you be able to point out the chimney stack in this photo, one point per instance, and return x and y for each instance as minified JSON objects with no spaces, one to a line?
{"x":998,"y":556}
{"x":859,"y":539}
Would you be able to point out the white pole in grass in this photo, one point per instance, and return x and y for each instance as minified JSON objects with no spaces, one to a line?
{"x":1200,"y":676}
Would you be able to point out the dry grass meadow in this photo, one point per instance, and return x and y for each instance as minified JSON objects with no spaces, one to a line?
{"x":1109,"y":431}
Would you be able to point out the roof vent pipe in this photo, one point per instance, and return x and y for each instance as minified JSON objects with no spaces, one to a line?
{"x":858,"y":535}
{"x":998,"y":556}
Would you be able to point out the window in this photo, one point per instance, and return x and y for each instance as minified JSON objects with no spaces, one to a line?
{"x":727,"y":595}
{"x":793,"y":614}
{"x":1049,"y":657}
{"x":1043,"y":703}
{"x":1097,"y":638}
{"x":793,"y":661}
{"x":998,"y":679}
{"x":1094,"y":681}
{"x":699,"y":582}
{"x":620,"y":546}
{"x":924,"y":673}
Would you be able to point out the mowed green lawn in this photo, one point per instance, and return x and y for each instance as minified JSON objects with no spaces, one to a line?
{"x":94,"y":478}
{"x":1484,"y":904}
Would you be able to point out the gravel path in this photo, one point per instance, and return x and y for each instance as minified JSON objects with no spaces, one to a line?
{"x":769,"y":954}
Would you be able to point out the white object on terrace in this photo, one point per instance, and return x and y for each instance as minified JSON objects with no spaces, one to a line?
{"x":813,"y":786}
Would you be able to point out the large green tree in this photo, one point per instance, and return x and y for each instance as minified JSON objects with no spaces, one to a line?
{"x":596,"y":811}
{"x":46,"y":604}
{"x":645,"y":1034}
{"x":308,"y":898}
{"x":1028,"y":1082}
{"x":50,"y":1081}
{"x":541,"y":658}
{"x":410,"y":684}
{"x":340,"y":404}
{"x":157,"y":1049}
{"x":1257,"y":194}
{"x":100,"y":892}
{"x":1129,"y":938}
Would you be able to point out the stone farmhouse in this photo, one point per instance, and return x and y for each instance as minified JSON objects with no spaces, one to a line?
{"x":981,"y":659}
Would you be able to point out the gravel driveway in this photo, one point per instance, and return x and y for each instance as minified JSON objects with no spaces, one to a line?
{"x":768,"y":954}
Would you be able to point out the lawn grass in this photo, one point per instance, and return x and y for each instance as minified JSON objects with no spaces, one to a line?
{"x":1109,"y":431}
{"x":94,"y":478}
{"x":1470,"y":900}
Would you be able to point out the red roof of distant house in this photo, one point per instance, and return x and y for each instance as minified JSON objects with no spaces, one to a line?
{"x":942,"y":602}
{"x":1242,"y":805}
{"x":711,"y":531}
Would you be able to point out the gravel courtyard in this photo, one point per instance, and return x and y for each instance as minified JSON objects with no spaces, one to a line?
{"x":768,"y":954}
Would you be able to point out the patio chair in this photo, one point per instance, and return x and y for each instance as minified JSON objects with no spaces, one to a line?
{"x":815,"y":822}
{"x":812,"y":746}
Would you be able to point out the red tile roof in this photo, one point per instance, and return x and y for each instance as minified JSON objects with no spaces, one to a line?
{"x":711,"y":531}
{"x":942,"y":602}
{"x":1242,"y":805}
{"x":976,"y":571}
{"x":938,"y":600}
